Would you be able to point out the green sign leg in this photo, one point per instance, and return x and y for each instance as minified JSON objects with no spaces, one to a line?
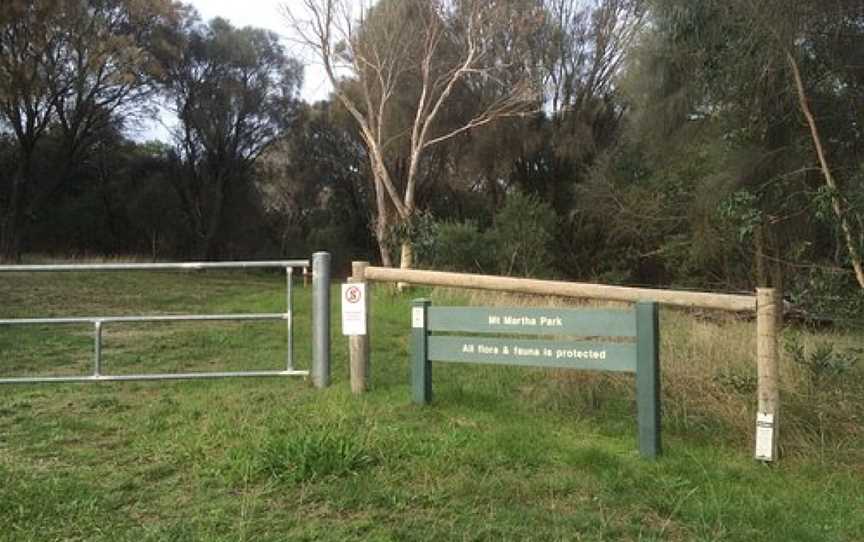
{"x":421,"y":368}
{"x":648,"y":378}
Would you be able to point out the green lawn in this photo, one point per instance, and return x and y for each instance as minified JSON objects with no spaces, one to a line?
{"x":502,"y":454}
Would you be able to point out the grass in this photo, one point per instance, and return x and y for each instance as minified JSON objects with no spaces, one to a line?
{"x":502,"y":454}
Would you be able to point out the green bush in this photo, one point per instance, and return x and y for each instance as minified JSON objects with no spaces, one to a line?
{"x":523,"y":235}
{"x":461,"y":246}
{"x":421,"y":230}
{"x":519,"y":243}
{"x":327,"y":231}
{"x":823,"y":364}
{"x":827,"y":294}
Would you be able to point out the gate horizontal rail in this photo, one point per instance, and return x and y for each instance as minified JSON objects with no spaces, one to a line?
{"x":99,"y":321}
{"x":166,"y":318}
{"x":189,"y":266}
{"x":147,"y":377}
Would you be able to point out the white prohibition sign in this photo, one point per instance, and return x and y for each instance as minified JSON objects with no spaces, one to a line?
{"x":354,"y":309}
{"x":353,"y":294}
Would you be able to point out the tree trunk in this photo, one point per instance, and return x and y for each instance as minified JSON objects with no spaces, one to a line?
{"x":13,"y":226}
{"x":187,"y":188}
{"x":759,"y":245}
{"x":494,"y":192}
{"x":406,"y":261}
{"x":205,"y":234}
{"x":836,"y":202}
{"x":154,"y":246}
{"x":381,"y":238}
{"x":382,"y":220}
{"x":219,"y":210}
{"x":9,"y":232}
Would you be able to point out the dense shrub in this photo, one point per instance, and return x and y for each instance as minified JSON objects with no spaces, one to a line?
{"x":519,"y":243}
{"x":523,"y":235}
{"x":461,"y":246}
{"x":828,"y":294}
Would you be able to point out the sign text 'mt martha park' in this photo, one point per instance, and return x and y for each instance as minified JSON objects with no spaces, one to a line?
{"x":590,"y":339}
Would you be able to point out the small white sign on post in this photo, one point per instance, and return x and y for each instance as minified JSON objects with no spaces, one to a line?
{"x":354,"y":309}
{"x":765,"y":436}
{"x":417,"y":317}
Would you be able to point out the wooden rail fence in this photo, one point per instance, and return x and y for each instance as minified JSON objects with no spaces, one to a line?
{"x":764,"y":304}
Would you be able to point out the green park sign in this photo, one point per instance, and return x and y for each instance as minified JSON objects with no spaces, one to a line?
{"x":589,"y":339}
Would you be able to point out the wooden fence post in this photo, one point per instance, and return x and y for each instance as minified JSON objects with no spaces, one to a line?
{"x":358,"y":345}
{"x":767,"y":417}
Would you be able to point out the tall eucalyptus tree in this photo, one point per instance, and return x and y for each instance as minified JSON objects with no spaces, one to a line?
{"x":413,"y":57}
{"x":234,"y":91}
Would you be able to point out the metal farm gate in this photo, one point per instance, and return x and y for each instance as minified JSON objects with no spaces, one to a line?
{"x":320,"y":319}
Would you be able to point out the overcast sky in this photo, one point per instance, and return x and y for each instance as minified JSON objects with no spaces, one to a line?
{"x":262,"y":14}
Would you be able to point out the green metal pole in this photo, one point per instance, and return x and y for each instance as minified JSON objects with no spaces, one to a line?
{"x":421,"y":368}
{"x":648,"y":378}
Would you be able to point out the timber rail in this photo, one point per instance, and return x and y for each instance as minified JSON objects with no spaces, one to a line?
{"x":767,"y":308}
{"x":725,"y":302}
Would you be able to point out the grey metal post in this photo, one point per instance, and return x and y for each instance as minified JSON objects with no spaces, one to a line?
{"x":97,"y":348}
{"x":321,"y":319}
{"x":289,"y":312}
